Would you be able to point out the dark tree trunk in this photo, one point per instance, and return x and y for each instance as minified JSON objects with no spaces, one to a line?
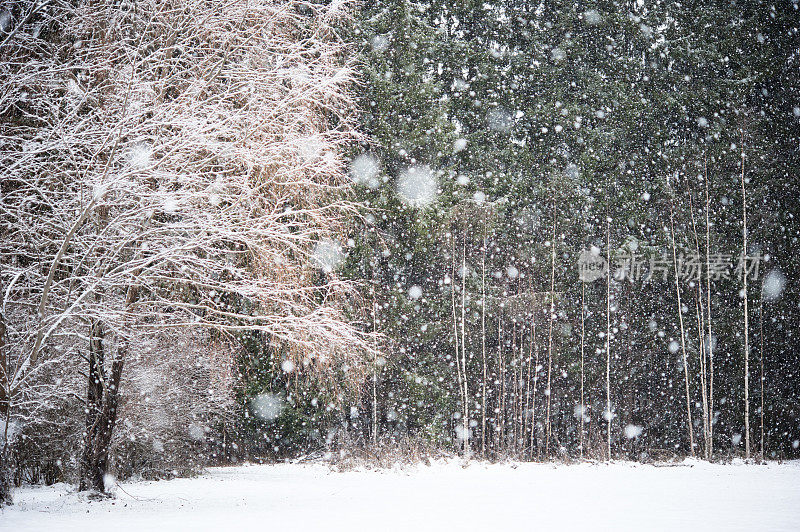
{"x":5,"y":478}
{"x":101,"y":413}
{"x":5,"y":406}
{"x":5,"y":462}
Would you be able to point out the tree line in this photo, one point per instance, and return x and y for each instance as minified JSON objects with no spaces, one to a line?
{"x":655,"y":131}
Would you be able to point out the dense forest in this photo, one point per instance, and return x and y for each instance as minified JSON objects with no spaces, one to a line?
{"x":660,"y":138}
{"x":505,"y":230}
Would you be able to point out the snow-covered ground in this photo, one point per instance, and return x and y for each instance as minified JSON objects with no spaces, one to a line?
{"x":444,"y":496}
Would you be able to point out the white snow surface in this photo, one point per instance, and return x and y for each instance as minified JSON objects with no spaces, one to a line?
{"x":445,"y":496}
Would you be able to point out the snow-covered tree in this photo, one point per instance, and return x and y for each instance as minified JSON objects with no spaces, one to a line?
{"x":166,"y":166}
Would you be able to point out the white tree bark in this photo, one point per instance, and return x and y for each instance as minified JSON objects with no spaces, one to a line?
{"x":746,"y":316}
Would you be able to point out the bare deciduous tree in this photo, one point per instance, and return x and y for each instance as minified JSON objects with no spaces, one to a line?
{"x":179,"y":166}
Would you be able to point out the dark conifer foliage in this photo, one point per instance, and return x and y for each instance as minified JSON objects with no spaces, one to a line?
{"x":537,"y":122}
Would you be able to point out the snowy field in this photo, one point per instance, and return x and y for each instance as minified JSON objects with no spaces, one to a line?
{"x":445,"y":496}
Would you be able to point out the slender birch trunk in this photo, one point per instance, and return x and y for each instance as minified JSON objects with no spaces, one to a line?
{"x":746,"y":317}
{"x":549,"y":390}
{"x":608,"y":334}
{"x":375,"y":368}
{"x":463,"y":343}
{"x":535,"y":377}
{"x":761,"y":351}
{"x":528,"y":384}
{"x":522,"y":400}
{"x":683,"y":334}
{"x":710,"y":451}
{"x":515,"y":393}
{"x":501,"y":414}
{"x":583,"y":333}
{"x":701,"y":346}
{"x":703,"y":370}
{"x":483,"y":341}
{"x":455,"y":320}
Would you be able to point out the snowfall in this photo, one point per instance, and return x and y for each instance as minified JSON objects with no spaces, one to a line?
{"x":446,"y":495}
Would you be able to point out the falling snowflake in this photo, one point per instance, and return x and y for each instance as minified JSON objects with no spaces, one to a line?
{"x":417,"y":186}
{"x":328,"y":255}
{"x":267,"y":406}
